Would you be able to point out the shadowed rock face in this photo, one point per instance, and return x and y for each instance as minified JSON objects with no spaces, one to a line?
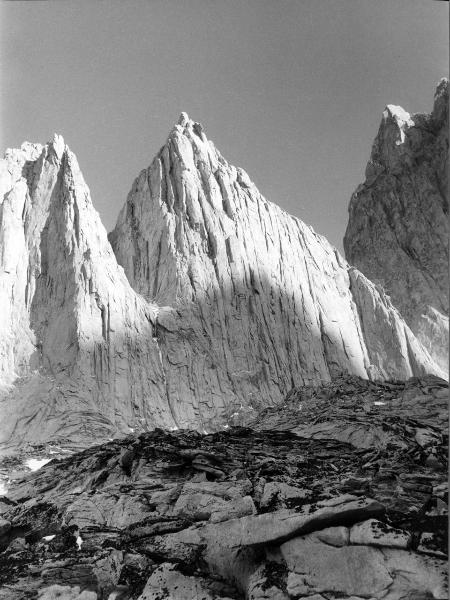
{"x":272,"y":302}
{"x":226,"y":301}
{"x":398,"y":227}
{"x":284,"y":512}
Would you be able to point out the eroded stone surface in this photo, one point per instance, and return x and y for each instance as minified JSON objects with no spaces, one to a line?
{"x":334,"y":536}
{"x":62,"y":531}
{"x":376,"y":533}
{"x":64,"y":592}
{"x":166,"y":582}
{"x":349,"y":570}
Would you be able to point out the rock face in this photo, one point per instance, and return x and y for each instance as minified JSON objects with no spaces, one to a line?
{"x":270,"y":514}
{"x":226,"y":301}
{"x":398,"y":227}
{"x":269,"y":303}
{"x":76,"y":345}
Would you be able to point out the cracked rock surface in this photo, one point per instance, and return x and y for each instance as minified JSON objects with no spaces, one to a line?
{"x":282,"y":510}
{"x":209,"y":299}
{"x":398,"y":228}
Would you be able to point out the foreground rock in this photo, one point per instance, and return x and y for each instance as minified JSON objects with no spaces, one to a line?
{"x":398,"y":227}
{"x":226,"y":301}
{"x":245,"y":513}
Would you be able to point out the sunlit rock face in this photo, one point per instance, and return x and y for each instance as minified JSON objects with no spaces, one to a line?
{"x":223,"y":302}
{"x":398,"y":227}
{"x":77,"y":358}
{"x":262,"y":302}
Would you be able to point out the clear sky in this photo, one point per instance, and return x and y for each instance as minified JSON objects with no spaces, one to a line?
{"x":290,"y":90}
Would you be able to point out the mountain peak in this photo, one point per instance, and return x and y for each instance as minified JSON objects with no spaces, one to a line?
{"x":442,"y":87}
{"x":398,"y":227}
{"x":221,"y":300}
{"x":440,"y":107}
{"x":58,"y":145}
{"x":183,"y":119}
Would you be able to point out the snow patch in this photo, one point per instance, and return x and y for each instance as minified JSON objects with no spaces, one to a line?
{"x":34,"y":464}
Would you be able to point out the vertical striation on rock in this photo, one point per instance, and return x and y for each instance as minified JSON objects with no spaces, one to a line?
{"x":398,"y":227}
{"x":77,"y":355}
{"x":223,"y":302}
{"x":269,"y":303}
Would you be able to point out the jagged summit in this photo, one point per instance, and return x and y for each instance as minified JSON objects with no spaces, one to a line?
{"x":58,"y":145}
{"x":71,"y":325}
{"x":260,"y":288}
{"x":401,"y":118}
{"x":206,"y":299}
{"x":440,"y":107}
{"x":398,"y":232}
{"x":183,"y":119}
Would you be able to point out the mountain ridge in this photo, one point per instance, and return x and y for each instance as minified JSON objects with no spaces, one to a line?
{"x":397,"y":233}
{"x":85,"y":356}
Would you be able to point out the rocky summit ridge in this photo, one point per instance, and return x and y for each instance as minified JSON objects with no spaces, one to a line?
{"x":206,"y":299}
{"x":398,"y":228}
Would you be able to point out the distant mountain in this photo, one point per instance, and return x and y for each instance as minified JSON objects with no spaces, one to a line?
{"x":398,"y":228}
{"x":224,"y":301}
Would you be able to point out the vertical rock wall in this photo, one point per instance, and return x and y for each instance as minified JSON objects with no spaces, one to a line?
{"x":226,"y":301}
{"x":398,"y":227}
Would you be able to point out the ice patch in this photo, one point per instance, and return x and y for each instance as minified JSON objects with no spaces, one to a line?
{"x":48,"y":538}
{"x":79,"y":541}
{"x":379,"y":403}
{"x":36,"y":463}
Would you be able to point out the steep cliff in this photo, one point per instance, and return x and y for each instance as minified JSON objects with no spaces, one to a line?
{"x":232,"y":302}
{"x":398,"y":227}
{"x":272,"y":302}
{"x":77,"y":357}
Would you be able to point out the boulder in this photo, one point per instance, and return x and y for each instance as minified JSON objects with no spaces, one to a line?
{"x":283,"y":524}
{"x":349,"y":570}
{"x":376,"y":533}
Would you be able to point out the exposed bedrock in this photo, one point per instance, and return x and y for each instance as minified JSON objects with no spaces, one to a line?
{"x":398,"y":228}
{"x":212,"y":300}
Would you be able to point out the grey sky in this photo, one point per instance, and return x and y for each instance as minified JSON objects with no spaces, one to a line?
{"x":292,"y":91}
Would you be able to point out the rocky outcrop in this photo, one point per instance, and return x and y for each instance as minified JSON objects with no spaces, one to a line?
{"x":77,"y":355}
{"x":269,"y":514}
{"x":226,"y":301}
{"x":270,"y":303}
{"x":398,"y":227}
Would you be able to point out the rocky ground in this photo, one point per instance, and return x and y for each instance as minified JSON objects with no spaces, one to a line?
{"x":340,"y":492}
